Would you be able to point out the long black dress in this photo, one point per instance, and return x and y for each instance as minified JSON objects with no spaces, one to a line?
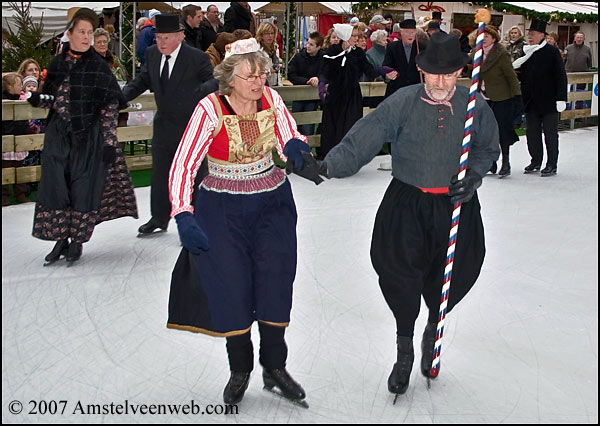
{"x":342,"y":106}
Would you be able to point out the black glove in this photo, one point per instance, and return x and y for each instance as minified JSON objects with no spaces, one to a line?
{"x":191,"y":235}
{"x":311,"y":169}
{"x":463,"y":190}
{"x":109,"y":153}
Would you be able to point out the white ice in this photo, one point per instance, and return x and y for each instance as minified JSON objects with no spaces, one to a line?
{"x":522,"y":347}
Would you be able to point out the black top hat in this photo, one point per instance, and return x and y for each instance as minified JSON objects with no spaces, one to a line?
{"x":537,"y":25}
{"x":443,"y":55}
{"x":168,"y":23}
{"x":436,"y":15}
{"x":408,"y":24}
{"x":86,"y":14}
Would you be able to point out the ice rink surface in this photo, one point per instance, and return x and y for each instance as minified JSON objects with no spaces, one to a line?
{"x":522,"y":347}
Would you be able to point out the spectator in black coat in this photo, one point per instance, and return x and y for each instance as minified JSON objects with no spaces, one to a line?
{"x":239,"y":16}
{"x":544,"y":88}
{"x":304,"y":69}
{"x":191,"y":16}
{"x":210,"y":26}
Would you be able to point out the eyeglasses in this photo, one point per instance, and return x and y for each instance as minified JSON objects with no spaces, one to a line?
{"x":252,"y":78}
{"x":100,"y":42}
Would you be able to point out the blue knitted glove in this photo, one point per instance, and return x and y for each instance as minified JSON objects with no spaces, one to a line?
{"x":191,"y":235}
{"x":293,"y":151}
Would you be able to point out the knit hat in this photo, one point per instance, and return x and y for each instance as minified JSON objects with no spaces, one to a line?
{"x":30,"y":80}
{"x":354,"y":20}
{"x":153,"y":13}
{"x":343,"y":31}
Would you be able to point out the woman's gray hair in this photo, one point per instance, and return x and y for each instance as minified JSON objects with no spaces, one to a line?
{"x":101,"y":32}
{"x":378,"y":35}
{"x":225,"y":71}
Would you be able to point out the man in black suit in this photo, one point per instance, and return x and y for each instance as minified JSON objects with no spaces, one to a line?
{"x":179,"y":76}
{"x":544,"y":88}
{"x":399,"y":64}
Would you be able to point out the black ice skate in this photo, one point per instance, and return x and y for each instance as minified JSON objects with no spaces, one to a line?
{"x":60,"y":249}
{"x":236,"y":387}
{"x":279,"y":382}
{"x":400,"y":376}
{"x":74,"y":252}
{"x":504,"y":170}
{"x":427,"y":348}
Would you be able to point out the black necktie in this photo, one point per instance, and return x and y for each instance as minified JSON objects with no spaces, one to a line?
{"x":164,"y":75}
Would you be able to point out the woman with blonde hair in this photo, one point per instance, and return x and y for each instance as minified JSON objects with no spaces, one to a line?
{"x":330,"y":39}
{"x":516,"y":42}
{"x":265,"y":36}
{"x":31,"y":67}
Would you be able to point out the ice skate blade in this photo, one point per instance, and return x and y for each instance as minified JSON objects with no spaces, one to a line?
{"x":51,"y":262}
{"x":396,"y":399}
{"x":503,"y":176}
{"x":151,"y":234}
{"x":299,"y":402}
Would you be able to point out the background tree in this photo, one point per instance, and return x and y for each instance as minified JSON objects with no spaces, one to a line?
{"x":27,"y":42}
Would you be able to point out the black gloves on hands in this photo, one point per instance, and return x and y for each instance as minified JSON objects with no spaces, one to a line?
{"x":301,"y":161}
{"x":461,"y":191}
{"x":109,"y":153}
{"x":191,"y":235}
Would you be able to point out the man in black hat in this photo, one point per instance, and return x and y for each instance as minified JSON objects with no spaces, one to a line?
{"x":425,"y":124}
{"x":399,"y":64}
{"x":437,"y":18}
{"x":544,"y":88}
{"x":179,"y":76}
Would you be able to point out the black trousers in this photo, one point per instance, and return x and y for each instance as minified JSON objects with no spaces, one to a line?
{"x":408,"y":251}
{"x":504,"y":114}
{"x":160,"y":205}
{"x":273,"y":350}
{"x":548,"y":125}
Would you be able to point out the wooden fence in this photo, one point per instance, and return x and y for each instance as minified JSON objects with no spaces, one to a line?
{"x":21,"y":110}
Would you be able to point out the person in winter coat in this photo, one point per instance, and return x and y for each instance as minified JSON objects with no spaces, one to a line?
{"x":515,"y":44}
{"x":147,"y":37}
{"x":210,"y":26}
{"x":239,"y":16}
{"x":304,"y":69}
{"x":499,"y":85}
{"x":341,"y":69}
{"x":544,"y":88}
{"x":216,"y":51}
{"x":191,"y":16}
{"x":266,"y":36}
{"x":85,"y":180}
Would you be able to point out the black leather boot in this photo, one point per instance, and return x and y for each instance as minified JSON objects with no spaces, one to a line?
{"x":60,"y":249}
{"x":532,"y":168}
{"x":400,"y":376}
{"x":427,"y":348}
{"x":505,"y":169}
{"x":281,"y":379}
{"x":236,"y":387}
{"x":74,"y":252}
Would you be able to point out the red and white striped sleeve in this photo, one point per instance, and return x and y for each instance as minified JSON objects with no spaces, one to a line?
{"x":285,"y":127}
{"x":191,"y":151}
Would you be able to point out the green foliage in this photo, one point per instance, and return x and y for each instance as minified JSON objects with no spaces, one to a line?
{"x":27,"y":42}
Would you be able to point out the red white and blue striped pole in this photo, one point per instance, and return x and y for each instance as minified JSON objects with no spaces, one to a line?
{"x":481,"y":18}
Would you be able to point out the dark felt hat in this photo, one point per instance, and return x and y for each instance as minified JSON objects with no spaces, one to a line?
{"x":86,"y":14}
{"x":537,"y":25}
{"x":408,"y":24}
{"x":436,"y":15}
{"x":168,"y":23}
{"x":443,"y":55}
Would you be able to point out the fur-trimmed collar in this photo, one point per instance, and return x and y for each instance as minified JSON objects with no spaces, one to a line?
{"x":495,"y":54}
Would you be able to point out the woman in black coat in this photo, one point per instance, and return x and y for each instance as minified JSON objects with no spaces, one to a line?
{"x":84,"y":180}
{"x":341,"y":69}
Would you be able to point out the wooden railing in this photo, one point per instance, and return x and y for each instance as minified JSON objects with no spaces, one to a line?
{"x":21,"y":110}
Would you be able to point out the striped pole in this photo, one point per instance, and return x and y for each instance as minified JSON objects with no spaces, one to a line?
{"x":435,"y":365}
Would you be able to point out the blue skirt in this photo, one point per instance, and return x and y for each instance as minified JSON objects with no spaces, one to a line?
{"x":248,"y":272}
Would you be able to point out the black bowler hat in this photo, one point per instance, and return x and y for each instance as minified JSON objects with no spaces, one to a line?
{"x":443,"y":55}
{"x":436,"y":15}
{"x":537,"y":25}
{"x":168,"y":23}
{"x":408,"y":24}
